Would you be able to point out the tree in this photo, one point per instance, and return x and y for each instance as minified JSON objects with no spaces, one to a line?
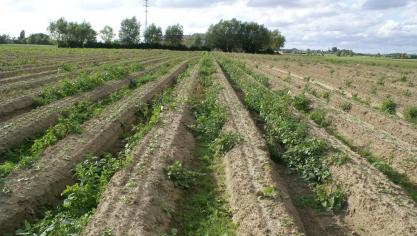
{"x":72,"y":33}
{"x":225,"y":35}
{"x":22,"y":37}
{"x":153,"y":34}
{"x":129,"y":33}
{"x":196,"y":41}
{"x":174,"y":35}
{"x":5,"y":39}
{"x":107,"y":34}
{"x":254,"y":37}
{"x":39,"y":38}
{"x":277,"y":40}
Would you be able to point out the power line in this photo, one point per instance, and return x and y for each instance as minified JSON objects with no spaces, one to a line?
{"x":146,"y":14}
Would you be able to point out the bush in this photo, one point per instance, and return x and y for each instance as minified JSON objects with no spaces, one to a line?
{"x":319,"y":116}
{"x":410,"y":114}
{"x":301,"y":103}
{"x":388,"y":106}
{"x":346,"y":106}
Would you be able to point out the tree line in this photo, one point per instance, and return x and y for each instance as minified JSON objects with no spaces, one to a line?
{"x":226,"y":35}
{"x":38,"y":38}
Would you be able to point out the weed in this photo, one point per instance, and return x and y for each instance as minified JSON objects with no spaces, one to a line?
{"x":403,"y":78}
{"x":269,"y":192}
{"x":302,"y":103}
{"x":410,"y":114}
{"x":349,"y":83}
{"x":326,"y":95}
{"x":388,"y":106}
{"x":319,"y":116}
{"x":346,"y":106}
{"x":407,"y":93}
{"x":181,"y":177}
{"x":224,"y":143}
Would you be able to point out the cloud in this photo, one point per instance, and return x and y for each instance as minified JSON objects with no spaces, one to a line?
{"x":189,"y":3}
{"x":96,"y":5}
{"x":384,"y":4}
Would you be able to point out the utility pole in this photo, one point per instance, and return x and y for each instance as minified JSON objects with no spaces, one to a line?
{"x":146,"y":14}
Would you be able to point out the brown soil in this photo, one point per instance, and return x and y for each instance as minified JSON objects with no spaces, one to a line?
{"x":14,"y":106}
{"x":14,"y":131}
{"x":42,"y":184}
{"x":139,"y":199}
{"x":397,"y":148}
{"x":249,"y":170}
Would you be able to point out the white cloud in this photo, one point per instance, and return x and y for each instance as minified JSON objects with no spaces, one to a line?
{"x":383,"y":25}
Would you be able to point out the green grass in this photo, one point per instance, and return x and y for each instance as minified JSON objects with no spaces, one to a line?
{"x":410,"y":114}
{"x":388,"y":106}
{"x":205,"y":210}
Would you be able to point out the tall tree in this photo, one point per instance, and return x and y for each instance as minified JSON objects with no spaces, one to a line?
{"x":72,"y":33}
{"x":254,"y":37}
{"x":153,"y":34}
{"x":277,"y":40}
{"x":225,"y":35}
{"x":107,"y":34}
{"x":129,"y":33}
{"x":22,"y":36}
{"x":174,"y":35}
{"x":39,"y":38}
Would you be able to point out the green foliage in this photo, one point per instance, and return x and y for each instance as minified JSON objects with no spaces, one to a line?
{"x":388,"y":106}
{"x":269,"y":192}
{"x":302,"y":154}
{"x":302,"y":103}
{"x":153,"y":34}
{"x":205,"y":210}
{"x":224,"y":143}
{"x":346,"y":106}
{"x":233,"y":35}
{"x":84,"y":82}
{"x":174,"y":35}
{"x":330,"y":198}
{"x":129,"y":33}
{"x":71,"y":33}
{"x":410,"y":114}
{"x":181,"y":177}
{"x":92,"y":176}
{"x":319,"y":116}
{"x":107,"y":34}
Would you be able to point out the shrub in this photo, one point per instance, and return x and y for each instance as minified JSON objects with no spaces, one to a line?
{"x":319,"y":116}
{"x":301,"y":103}
{"x":388,"y":106}
{"x":410,"y":114}
{"x":346,"y":106}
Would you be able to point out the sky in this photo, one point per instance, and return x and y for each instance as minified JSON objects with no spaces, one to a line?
{"x":368,"y":26}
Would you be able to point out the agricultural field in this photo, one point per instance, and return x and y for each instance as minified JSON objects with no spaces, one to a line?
{"x":158,"y":142}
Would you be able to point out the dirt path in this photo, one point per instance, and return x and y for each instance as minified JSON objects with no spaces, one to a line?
{"x":249,"y":172}
{"x":139,"y":198}
{"x":13,"y":132}
{"x":43,"y":184}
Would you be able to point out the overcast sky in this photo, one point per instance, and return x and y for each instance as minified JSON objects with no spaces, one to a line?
{"x":362,"y":25}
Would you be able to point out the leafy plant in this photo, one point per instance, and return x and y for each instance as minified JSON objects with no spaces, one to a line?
{"x":346,"y":106}
{"x":319,"y":116}
{"x":388,"y":106}
{"x":181,"y":177}
{"x":224,"y":143}
{"x":410,"y":114}
{"x":302,"y":103}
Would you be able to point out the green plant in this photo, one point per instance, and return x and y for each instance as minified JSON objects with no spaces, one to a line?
{"x":319,"y":116}
{"x":346,"y":106}
{"x":331,"y":198}
{"x":302,"y":103}
{"x":182,"y":178}
{"x":224,"y":143}
{"x":269,"y":192}
{"x":388,"y":106}
{"x":407,"y":93}
{"x":410,"y":114}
